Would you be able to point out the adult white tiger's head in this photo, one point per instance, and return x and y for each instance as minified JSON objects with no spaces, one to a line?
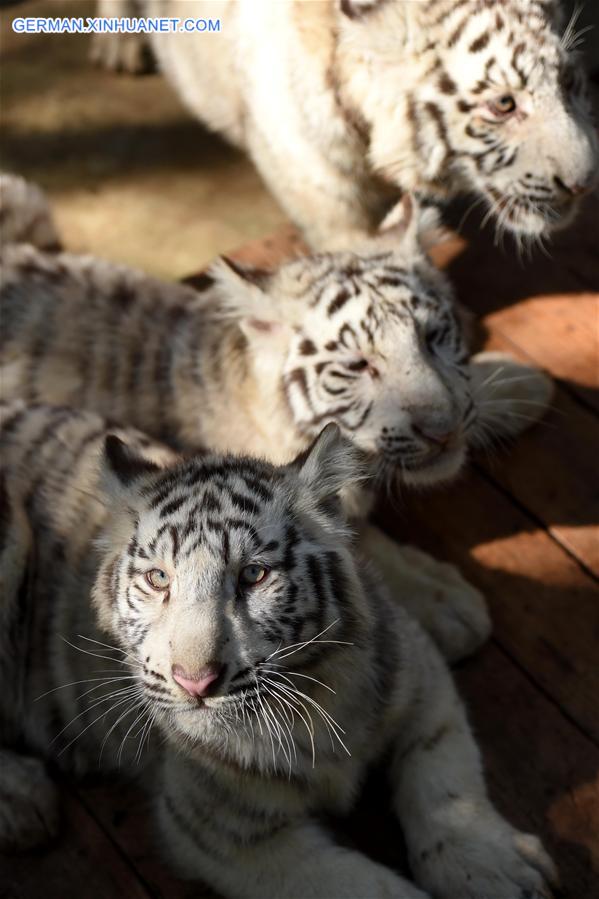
{"x":474,"y":95}
{"x":217,"y":569}
{"x":369,"y":341}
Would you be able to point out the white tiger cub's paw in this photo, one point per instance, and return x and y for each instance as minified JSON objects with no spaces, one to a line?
{"x":452,"y":611}
{"x":29,"y":803}
{"x":484,"y":858}
{"x":510,"y":396}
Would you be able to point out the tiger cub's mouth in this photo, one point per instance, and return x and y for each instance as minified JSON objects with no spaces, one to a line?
{"x":429,"y":470}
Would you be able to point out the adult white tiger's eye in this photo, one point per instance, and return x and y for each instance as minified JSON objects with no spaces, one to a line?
{"x":158,"y":579}
{"x":503,"y":105}
{"x":251,"y":575}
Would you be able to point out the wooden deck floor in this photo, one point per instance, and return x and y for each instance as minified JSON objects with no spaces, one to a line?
{"x":523,"y":526}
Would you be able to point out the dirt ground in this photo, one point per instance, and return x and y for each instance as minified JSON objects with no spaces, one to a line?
{"x":131,"y":175}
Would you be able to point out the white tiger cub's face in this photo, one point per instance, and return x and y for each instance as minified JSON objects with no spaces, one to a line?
{"x":372,"y":343}
{"x":211,"y":569}
{"x":498,"y":106}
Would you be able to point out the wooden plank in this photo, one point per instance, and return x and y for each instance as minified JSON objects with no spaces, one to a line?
{"x":491,"y":277}
{"x":553,"y":471}
{"x":125,"y":812}
{"x":545,"y":608}
{"x":559,"y":333}
{"x":547,"y":307}
{"x":82,"y":862}
{"x":543,"y":774}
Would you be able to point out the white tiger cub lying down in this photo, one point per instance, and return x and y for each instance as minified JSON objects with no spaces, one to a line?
{"x":258,"y":362}
{"x":274,"y":665}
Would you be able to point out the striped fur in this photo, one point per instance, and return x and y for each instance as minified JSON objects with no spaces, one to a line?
{"x":342,"y":103}
{"x":259,"y":362}
{"x":318,"y":674}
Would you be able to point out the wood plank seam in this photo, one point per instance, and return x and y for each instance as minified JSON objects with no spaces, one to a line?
{"x":126,"y":858}
{"x":524,"y":352}
{"x":543,"y":691}
{"x":534,"y":518}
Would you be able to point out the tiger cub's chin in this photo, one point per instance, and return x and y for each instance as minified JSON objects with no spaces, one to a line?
{"x":446,"y":466}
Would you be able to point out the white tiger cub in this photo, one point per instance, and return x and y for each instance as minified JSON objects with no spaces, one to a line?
{"x":273,"y":666}
{"x":258,"y":362}
{"x":343,"y":103}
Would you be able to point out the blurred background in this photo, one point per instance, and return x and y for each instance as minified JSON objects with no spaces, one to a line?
{"x":130,"y":174}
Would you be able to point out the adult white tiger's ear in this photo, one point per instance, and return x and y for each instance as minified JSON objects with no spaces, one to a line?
{"x":331,"y":463}
{"x":121,"y":467}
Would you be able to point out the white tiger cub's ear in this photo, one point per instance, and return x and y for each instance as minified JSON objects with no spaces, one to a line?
{"x":410,"y":226}
{"x":121,"y":466}
{"x":244,"y":290}
{"x":330,"y":464}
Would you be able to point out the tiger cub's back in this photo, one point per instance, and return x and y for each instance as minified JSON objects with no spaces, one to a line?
{"x":86,"y":333}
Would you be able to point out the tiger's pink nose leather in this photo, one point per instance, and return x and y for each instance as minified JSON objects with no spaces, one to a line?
{"x":197,"y":684}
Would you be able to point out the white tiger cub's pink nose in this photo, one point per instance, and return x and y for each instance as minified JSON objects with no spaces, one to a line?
{"x":197,"y":684}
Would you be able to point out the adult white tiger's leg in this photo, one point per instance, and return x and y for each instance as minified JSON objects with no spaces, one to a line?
{"x":457,"y":843}
{"x":250,"y":857}
{"x":450,"y":609}
{"x":118,"y":51}
{"x":509,"y":395}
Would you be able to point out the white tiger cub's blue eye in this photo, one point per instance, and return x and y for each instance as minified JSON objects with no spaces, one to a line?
{"x":158,"y":579}
{"x":251,"y":575}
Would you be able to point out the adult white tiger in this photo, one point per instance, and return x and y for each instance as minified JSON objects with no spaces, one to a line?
{"x":342,"y":102}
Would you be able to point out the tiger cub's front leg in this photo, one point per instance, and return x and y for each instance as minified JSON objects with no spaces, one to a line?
{"x":458,"y":844}
{"x":450,"y":609}
{"x":250,"y":853}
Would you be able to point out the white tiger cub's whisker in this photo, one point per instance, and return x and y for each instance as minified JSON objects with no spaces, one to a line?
{"x":102,"y":681}
{"x":145,"y":708}
{"x":298,"y":674}
{"x":96,"y":654}
{"x":123,"y":652}
{"x":305,"y":642}
{"x":116,"y":723}
{"x":270,"y":715}
{"x":332,"y":726}
{"x":268,"y":726}
{"x":287,"y":721}
{"x":123,"y":691}
{"x":124,"y":700}
{"x":294,"y":702}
